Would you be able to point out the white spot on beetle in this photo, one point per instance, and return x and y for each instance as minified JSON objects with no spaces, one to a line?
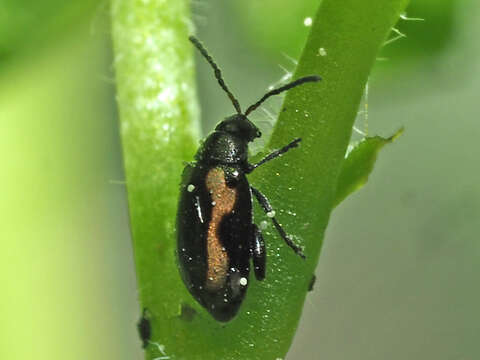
{"x":243,"y":281}
{"x":271,"y":214}
{"x":199,"y":209}
{"x":190,"y":187}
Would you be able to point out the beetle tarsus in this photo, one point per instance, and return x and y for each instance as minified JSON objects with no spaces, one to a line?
{"x":265,"y":204}
{"x":297,"y":249}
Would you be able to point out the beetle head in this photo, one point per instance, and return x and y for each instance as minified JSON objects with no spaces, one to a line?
{"x":240,"y":126}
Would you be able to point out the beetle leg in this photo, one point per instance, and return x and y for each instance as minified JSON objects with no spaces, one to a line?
{"x":262,"y":199}
{"x":259,"y":254}
{"x":273,"y":155}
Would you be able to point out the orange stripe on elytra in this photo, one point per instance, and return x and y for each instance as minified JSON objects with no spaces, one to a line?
{"x":223,"y":201}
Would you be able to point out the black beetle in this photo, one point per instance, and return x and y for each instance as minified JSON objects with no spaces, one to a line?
{"x":215,"y":229}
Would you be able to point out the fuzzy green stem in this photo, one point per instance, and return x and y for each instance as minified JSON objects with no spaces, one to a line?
{"x":158,"y":124}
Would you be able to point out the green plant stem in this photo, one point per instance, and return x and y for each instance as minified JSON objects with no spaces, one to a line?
{"x":159,"y":130}
{"x":342,"y":47}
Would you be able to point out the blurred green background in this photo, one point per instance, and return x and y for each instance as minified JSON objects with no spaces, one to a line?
{"x":397,"y":278}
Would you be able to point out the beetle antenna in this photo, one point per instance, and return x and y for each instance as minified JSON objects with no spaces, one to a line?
{"x":216,"y":70}
{"x":303,"y":80}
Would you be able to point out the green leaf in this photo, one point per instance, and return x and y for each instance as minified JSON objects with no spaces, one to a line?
{"x":154,"y":69}
{"x":358,"y":164}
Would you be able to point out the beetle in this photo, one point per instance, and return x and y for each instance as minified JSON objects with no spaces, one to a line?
{"x":216,"y":236}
